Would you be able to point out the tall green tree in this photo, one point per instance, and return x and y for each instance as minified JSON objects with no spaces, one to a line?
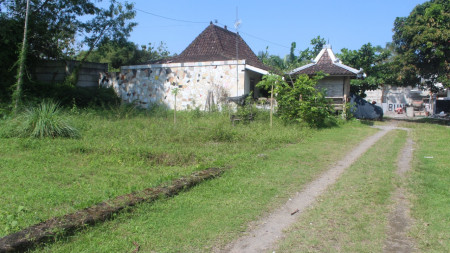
{"x":377,"y":63}
{"x":274,"y":61}
{"x":422,"y":42}
{"x":53,"y":28}
{"x":306,"y":55}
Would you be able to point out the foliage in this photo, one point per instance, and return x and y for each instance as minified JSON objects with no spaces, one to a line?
{"x":376,"y":63}
{"x":300,"y":100}
{"x":292,"y":61}
{"x":44,"y":120}
{"x":67,"y":95}
{"x":273,"y":61}
{"x":248,"y":111}
{"x":53,"y":29}
{"x":306,"y":55}
{"x":421,"y":41}
{"x":123,"y":52}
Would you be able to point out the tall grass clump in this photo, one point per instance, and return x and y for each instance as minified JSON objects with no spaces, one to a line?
{"x":44,"y":120}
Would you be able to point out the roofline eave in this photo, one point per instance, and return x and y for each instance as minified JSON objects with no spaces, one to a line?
{"x":301,"y":68}
{"x":257,"y":70}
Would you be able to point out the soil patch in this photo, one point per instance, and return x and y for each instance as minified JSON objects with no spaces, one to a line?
{"x":399,"y":218}
{"x":68,"y":224}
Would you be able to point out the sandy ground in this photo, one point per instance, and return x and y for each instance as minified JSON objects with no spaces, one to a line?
{"x":264,"y":234}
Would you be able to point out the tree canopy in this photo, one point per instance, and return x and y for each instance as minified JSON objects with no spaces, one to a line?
{"x":292,"y":61}
{"x":306,"y":55}
{"x":377,"y":63}
{"x":123,"y":52}
{"x":55,"y":29}
{"x":422,"y":42}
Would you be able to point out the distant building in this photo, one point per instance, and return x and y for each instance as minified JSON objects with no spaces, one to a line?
{"x":217,"y":65}
{"x":337,"y":83}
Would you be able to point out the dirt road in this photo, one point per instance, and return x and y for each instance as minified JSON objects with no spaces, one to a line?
{"x":267,"y":231}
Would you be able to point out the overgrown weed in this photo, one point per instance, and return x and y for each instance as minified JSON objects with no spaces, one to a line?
{"x":43,"y":120}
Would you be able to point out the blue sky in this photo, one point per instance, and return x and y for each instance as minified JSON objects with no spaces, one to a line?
{"x":345,"y":23}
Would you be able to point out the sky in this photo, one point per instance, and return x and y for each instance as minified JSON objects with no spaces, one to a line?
{"x":273,"y":24}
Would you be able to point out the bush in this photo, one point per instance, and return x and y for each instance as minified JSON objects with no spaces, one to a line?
{"x":68,"y":94}
{"x":44,"y":120}
{"x":248,"y":111}
{"x":300,"y":101}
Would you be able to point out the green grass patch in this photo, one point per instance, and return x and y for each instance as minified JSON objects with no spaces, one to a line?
{"x":352,"y":215}
{"x":264,"y":171}
{"x":118,"y":153}
{"x":429,"y":186}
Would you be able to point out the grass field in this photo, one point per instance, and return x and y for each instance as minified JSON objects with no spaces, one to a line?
{"x":120,"y":154}
{"x":429,"y":187}
{"x":48,"y":177}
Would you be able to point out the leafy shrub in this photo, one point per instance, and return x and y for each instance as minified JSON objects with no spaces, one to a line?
{"x":44,"y":120}
{"x":222,"y":133}
{"x":248,"y":111}
{"x":300,"y":101}
{"x":67,"y":95}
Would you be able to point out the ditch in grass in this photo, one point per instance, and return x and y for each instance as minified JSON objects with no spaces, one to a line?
{"x":352,"y":215}
{"x":43,"y":178}
{"x":215,"y":212}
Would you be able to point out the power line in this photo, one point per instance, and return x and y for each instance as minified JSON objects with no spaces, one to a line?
{"x":255,"y":37}
{"x":173,"y":19}
{"x":203,"y":22}
{"x":268,"y":41}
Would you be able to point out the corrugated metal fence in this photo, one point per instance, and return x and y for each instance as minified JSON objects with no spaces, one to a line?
{"x":56,"y":71}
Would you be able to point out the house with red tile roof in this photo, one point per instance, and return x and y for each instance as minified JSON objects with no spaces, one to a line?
{"x":337,"y":82}
{"x":217,"y":65}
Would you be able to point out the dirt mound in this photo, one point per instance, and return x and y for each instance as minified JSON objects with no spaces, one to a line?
{"x":70,"y":223}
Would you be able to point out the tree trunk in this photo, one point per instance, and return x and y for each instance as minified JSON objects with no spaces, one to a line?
{"x":22,"y":58}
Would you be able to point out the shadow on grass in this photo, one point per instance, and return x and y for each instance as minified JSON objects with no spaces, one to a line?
{"x":437,"y":121}
{"x":367,"y":122}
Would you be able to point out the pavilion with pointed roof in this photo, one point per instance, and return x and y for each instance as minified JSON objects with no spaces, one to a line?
{"x":337,"y":81}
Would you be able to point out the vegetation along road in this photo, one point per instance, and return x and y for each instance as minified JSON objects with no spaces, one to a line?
{"x":264,"y":168}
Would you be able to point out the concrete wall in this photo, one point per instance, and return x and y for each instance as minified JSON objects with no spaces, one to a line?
{"x":398,"y":97}
{"x":198,"y":83}
{"x":57,"y":71}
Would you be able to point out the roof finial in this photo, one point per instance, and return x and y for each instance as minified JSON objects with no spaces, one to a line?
{"x":210,"y":22}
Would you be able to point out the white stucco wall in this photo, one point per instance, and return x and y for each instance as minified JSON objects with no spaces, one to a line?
{"x":154,"y":83}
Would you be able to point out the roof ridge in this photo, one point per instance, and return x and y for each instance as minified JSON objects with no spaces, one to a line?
{"x":218,"y":39}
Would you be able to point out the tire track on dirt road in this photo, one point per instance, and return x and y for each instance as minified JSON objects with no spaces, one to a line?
{"x":267,"y":231}
{"x":399,"y":218}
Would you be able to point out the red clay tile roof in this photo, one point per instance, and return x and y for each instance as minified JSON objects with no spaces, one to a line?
{"x":217,"y":44}
{"x":326,"y":65}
